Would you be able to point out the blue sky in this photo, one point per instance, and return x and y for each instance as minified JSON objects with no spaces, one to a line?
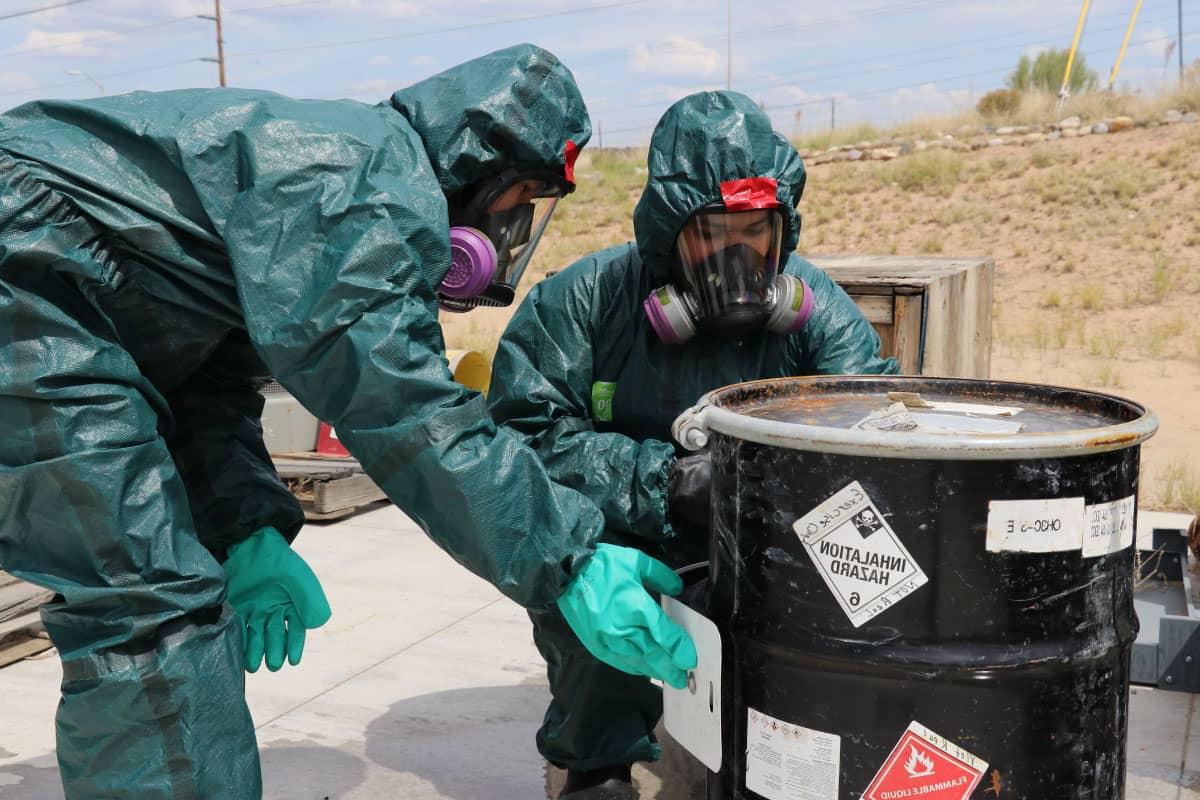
{"x":883,"y":60}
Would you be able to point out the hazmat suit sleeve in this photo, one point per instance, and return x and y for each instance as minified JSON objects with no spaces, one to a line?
{"x":216,"y":442}
{"x":837,"y":340}
{"x":336,"y":232}
{"x":541,"y":388}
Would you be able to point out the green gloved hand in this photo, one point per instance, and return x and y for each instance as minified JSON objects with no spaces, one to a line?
{"x":617,"y":620}
{"x":277,"y":597}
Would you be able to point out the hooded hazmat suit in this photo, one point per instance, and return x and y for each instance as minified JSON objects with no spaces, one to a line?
{"x":581,"y":374}
{"x":160,"y":253}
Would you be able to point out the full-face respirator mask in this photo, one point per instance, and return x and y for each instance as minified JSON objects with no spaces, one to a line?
{"x":725,"y":279}
{"x":494,"y":229}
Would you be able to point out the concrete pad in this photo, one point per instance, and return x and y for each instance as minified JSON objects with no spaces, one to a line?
{"x":1158,"y":724}
{"x":425,"y":685}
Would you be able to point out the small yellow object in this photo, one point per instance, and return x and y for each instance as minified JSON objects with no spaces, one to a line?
{"x":470,"y":368}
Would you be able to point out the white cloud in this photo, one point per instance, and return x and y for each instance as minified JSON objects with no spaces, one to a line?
{"x":381,"y":8}
{"x":12,"y":82}
{"x":1034,"y":50}
{"x":65,"y":43}
{"x":380,"y":61}
{"x":183,"y":8}
{"x":374,"y":90}
{"x":677,"y":56}
{"x":1157,"y":43}
{"x":421,"y":61}
{"x":925,"y":100}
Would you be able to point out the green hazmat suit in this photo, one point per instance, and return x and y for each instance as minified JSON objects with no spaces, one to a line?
{"x":582,"y":376}
{"x":160,"y":253}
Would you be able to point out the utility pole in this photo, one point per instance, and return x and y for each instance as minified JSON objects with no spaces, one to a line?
{"x":729,"y":47}
{"x":832,"y":113}
{"x":1179,"y":8}
{"x":600,"y":130}
{"x":220,"y":59}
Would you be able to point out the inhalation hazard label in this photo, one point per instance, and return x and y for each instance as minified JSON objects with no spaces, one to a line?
{"x":790,"y":762}
{"x":927,"y":766}
{"x":863,"y":562}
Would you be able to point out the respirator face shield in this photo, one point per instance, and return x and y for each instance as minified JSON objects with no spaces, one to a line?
{"x":726,"y":279}
{"x":495,"y":229}
{"x":726,"y":262}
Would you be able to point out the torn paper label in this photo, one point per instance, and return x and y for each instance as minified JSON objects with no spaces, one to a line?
{"x":1035,"y":526}
{"x":898,"y":418}
{"x":859,"y":556}
{"x":1108,"y":527}
{"x":790,"y":762}
{"x":895,"y":417}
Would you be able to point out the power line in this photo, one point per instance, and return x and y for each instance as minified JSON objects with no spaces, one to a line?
{"x":159,"y":24}
{"x":876,"y":92}
{"x":121,"y":74}
{"x":886,"y":68}
{"x":276,"y":5}
{"x":27,"y":12}
{"x":97,"y":37}
{"x":775,"y":30}
{"x":434,"y":31}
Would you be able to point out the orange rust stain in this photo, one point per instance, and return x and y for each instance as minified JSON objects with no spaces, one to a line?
{"x":1124,"y":438}
{"x":997,"y":784}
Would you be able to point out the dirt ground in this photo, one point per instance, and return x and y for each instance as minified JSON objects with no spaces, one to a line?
{"x":1096,"y":242}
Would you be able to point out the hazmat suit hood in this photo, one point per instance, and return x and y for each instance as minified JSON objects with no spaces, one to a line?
{"x":516,"y":107}
{"x":702,"y":141}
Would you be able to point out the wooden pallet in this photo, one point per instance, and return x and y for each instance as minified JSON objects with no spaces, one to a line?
{"x":21,"y":632}
{"x":327,"y":487}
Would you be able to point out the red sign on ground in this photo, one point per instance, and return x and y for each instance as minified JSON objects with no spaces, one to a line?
{"x":924,"y":765}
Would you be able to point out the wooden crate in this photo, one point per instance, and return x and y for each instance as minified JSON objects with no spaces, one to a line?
{"x":21,"y":632}
{"x":934,"y":314}
{"x":328,"y":488}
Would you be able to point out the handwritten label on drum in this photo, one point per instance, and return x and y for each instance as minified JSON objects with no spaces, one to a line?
{"x":790,"y":762}
{"x":859,"y":556}
{"x":1108,"y":527}
{"x":1035,"y":526}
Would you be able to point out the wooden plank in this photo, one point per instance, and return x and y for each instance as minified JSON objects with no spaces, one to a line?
{"x":981,"y":286}
{"x":907,"y":333}
{"x":321,"y":458}
{"x":356,"y":490}
{"x":887,"y":339}
{"x":315,"y":473}
{"x":29,"y":599}
{"x":6,"y":579}
{"x":22,"y":648}
{"x":14,"y":593}
{"x":867,"y":288}
{"x":877,"y":308}
{"x":341,"y":513}
{"x":28,"y":621}
{"x":942,"y":335}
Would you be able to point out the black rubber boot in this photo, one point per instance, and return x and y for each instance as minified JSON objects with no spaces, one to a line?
{"x":607,"y":783}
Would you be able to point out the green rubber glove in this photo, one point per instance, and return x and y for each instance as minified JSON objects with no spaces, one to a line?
{"x":617,"y":620}
{"x":277,"y":597}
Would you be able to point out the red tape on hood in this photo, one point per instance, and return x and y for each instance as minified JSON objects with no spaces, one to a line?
{"x":746,"y":194}
{"x":570,"y":153}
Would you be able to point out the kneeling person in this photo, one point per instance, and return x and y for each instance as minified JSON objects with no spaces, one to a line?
{"x":600,"y":359}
